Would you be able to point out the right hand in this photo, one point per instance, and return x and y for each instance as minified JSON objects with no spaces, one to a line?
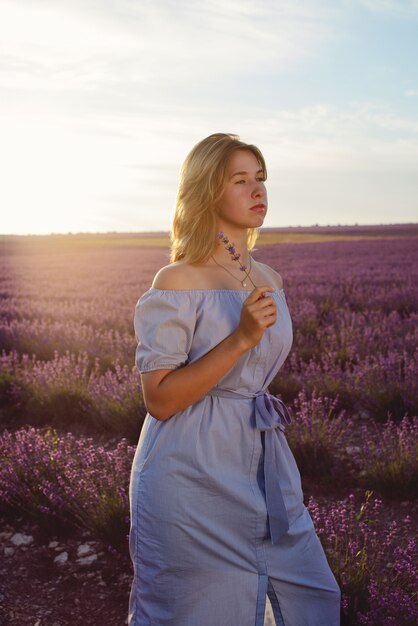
{"x":258,"y":313}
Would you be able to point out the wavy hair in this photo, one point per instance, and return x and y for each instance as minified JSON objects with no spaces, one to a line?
{"x":202,"y":179}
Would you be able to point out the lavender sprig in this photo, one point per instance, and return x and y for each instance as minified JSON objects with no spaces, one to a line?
{"x":230,"y":248}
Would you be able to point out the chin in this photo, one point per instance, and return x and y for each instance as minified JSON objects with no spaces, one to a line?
{"x":259,"y":221}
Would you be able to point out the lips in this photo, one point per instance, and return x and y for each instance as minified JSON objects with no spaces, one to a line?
{"x":258,"y":208}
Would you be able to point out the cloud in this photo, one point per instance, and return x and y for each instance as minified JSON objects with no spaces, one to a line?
{"x":139,"y":45}
{"x":404,"y":9}
{"x":360,"y":137}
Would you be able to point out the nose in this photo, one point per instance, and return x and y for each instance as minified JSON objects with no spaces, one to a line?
{"x":259,"y":190}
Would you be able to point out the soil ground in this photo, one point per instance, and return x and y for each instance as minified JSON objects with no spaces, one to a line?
{"x":36,"y":591}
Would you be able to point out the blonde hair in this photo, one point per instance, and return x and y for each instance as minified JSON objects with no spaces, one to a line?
{"x":202,"y":178}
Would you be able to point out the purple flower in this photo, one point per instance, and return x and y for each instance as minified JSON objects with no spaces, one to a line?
{"x":230,"y":248}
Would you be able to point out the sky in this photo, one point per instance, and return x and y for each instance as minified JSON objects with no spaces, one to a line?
{"x":101,"y":101}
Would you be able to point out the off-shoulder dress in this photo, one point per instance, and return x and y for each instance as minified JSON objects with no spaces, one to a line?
{"x":217,"y":513}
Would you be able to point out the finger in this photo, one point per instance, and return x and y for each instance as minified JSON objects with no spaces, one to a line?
{"x":268,"y":309}
{"x":262,"y":303}
{"x":270,"y":317}
{"x":263,"y":314}
{"x":270,"y":320}
{"x":265,"y":302}
{"x":258,"y":293}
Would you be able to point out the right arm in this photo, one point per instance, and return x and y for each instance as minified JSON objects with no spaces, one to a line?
{"x":166,"y":391}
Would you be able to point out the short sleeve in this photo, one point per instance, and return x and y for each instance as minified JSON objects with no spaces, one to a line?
{"x":164,"y":325}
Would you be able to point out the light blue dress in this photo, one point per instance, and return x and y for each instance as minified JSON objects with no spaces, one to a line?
{"x":217,"y":513}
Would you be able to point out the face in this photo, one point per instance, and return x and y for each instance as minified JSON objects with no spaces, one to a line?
{"x":244,"y":200}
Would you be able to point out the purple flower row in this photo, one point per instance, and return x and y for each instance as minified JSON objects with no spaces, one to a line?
{"x":74,"y":481}
{"x":327,"y":442}
{"x":66,"y":478}
{"x":67,"y":389}
{"x":374,"y":561}
{"x":331,"y":446}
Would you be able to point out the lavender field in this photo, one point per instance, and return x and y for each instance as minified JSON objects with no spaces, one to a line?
{"x":71,"y":407}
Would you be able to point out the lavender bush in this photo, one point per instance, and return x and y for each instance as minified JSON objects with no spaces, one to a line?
{"x":68,"y":389}
{"x":317,"y":435}
{"x":375,"y":562}
{"x":67,"y":480}
{"x":389,"y":458}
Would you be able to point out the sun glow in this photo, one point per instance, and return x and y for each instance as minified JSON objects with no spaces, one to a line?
{"x":54,"y":180}
{"x":39,"y":164}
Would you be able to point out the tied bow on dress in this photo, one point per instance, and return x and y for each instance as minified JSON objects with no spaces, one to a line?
{"x":270,"y":414}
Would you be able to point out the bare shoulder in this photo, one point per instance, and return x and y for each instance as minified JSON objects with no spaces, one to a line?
{"x":176,"y":276}
{"x":271,"y":274}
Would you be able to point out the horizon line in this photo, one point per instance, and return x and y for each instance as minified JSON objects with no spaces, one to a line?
{"x":167,"y":232}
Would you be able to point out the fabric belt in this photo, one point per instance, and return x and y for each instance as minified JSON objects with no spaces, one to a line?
{"x":270,"y":414}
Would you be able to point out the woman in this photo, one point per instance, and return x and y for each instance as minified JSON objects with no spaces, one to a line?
{"x":217,"y":514}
